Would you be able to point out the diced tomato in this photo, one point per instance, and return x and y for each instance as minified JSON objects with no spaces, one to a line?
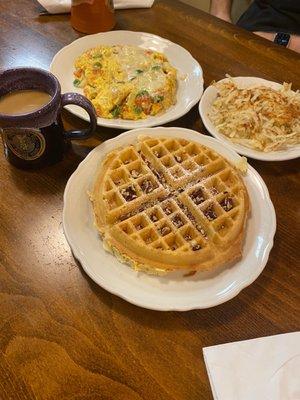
{"x":78,"y":72}
{"x":144,"y":101}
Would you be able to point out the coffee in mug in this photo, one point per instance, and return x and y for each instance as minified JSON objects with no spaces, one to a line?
{"x":23,"y":101}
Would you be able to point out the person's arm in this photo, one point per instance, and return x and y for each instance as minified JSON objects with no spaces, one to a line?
{"x":221,"y":9}
{"x":294,"y":41}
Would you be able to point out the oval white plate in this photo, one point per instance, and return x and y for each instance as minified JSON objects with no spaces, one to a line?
{"x":172,"y":292}
{"x":209,"y":97}
{"x":190,"y":75}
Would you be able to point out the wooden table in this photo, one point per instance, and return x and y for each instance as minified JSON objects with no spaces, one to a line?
{"x":62,"y":336}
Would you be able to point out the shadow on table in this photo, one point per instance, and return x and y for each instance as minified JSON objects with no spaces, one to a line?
{"x":191,"y":120}
{"x":48,"y":179}
{"x":275,"y":168}
{"x":195,"y":320}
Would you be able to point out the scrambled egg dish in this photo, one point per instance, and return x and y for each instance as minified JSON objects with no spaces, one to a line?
{"x":126,"y":81}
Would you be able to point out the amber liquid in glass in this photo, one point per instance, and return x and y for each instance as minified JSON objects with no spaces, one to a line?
{"x":92,"y":16}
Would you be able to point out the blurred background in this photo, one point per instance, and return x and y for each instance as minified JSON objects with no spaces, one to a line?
{"x":238,"y":7}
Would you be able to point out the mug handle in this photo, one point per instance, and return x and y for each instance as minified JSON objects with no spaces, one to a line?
{"x":79,"y":100}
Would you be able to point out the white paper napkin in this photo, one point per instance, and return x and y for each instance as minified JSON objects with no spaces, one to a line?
{"x":266,"y":368}
{"x":64,"y":6}
{"x":118,"y":4}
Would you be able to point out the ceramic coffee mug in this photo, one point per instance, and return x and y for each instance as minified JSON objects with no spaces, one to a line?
{"x":38,"y":137}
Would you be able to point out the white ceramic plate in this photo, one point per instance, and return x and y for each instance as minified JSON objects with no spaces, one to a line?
{"x":190,"y":75}
{"x":172,"y":292}
{"x":209,"y":97}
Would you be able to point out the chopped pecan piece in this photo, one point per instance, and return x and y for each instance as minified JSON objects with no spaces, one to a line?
{"x":153,"y":217}
{"x":227,"y":203}
{"x":196,"y":247}
{"x":197,"y":196}
{"x":159,"y":176}
{"x":147,"y":186}
{"x":165,"y":230}
{"x":210,"y":213}
{"x":139,"y":227}
{"x":129,"y":193}
{"x":214,"y":191}
{"x":134,"y":173}
{"x":176,"y":174}
{"x":177,"y":221}
{"x":168,"y":210}
{"x":201,"y":230}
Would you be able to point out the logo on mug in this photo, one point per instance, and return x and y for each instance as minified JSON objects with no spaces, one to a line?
{"x":26,"y":143}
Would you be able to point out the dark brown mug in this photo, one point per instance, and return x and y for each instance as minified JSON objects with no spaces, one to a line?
{"x":38,"y":138}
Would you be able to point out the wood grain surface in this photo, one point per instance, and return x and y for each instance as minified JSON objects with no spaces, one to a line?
{"x":62,"y":336}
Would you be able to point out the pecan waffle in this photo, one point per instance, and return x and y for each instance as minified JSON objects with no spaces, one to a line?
{"x":166,"y":204}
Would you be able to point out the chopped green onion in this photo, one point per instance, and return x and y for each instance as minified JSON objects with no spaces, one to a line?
{"x":137,"y":109}
{"x":116,"y":111}
{"x":97,"y":65}
{"x":158,"y":99}
{"x":143,"y":92}
{"x":156,"y":67}
{"x":76,"y":82}
{"x":139,"y":71}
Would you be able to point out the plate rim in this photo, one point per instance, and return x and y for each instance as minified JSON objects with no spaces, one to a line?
{"x":192,"y":305}
{"x":240,"y":149}
{"x":131,"y":125}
